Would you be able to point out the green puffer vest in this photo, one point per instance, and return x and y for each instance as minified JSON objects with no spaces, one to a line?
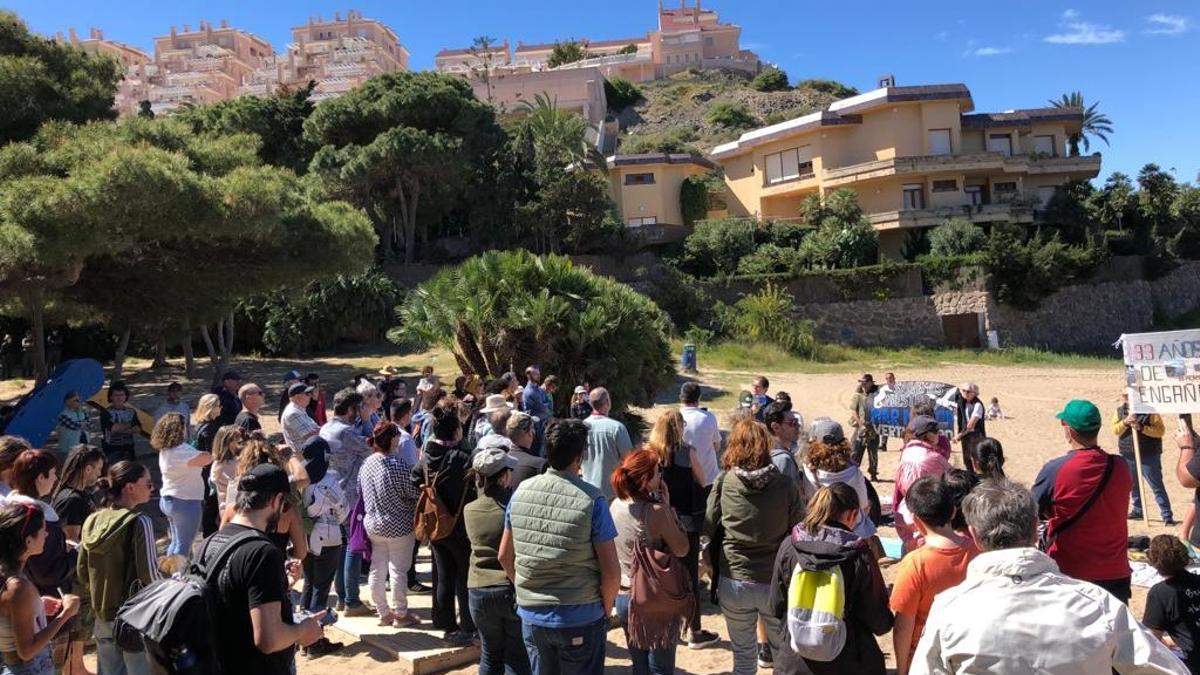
{"x":551,"y":521}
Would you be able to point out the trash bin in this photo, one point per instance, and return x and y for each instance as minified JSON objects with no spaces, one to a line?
{"x":689,"y":358}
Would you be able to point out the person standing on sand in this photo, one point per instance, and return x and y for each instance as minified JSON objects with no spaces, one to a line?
{"x":971,"y":425}
{"x":1083,"y":497}
{"x":1150,"y":431}
{"x":608,"y":441}
{"x":866,"y":438}
{"x":918,"y":459}
{"x":1016,"y":613}
{"x":889,"y":385}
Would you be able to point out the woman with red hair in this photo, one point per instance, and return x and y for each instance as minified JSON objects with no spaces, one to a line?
{"x":642,"y":513}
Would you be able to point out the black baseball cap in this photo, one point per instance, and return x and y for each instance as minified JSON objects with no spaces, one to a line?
{"x":266,"y":478}
{"x":231,"y":375}
{"x":922,"y":424}
{"x":299,"y":388}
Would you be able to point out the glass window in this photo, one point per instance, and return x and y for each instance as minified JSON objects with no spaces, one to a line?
{"x":945,"y":186}
{"x":774,"y":168}
{"x":638,"y":222}
{"x":1044,"y":145}
{"x":914,"y":196}
{"x":791,"y":168}
{"x":939,"y":142}
{"x":639,"y":179}
{"x":974,"y":194}
{"x":1001,"y":143}
{"x":789,"y":165}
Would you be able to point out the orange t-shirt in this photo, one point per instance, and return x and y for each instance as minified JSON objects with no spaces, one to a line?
{"x":923,"y":574}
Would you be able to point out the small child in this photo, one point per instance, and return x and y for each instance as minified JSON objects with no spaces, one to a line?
{"x":428,"y":380}
{"x":937,"y":565}
{"x":994,"y":412}
{"x":1171,"y":611}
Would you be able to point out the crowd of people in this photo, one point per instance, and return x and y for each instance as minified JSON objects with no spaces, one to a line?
{"x":545,"y":518}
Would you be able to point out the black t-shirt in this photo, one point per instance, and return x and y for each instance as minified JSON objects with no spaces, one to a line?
{"x":73,"y":506}
{"x":1173,"y":606}
{"x":248,"y":421}
{"x":254,"y":577}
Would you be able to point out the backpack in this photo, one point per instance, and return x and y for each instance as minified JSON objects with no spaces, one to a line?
{"x":433,"y":521}
{"x":172,"y":618}
{"x":816,"y":611}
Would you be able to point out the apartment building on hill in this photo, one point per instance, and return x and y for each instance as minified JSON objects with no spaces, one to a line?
{"x":131,"y":90}
{"x":646,"y":190}
{"x":915,"y":156}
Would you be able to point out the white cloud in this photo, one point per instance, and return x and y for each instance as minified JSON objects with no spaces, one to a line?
{"x":992,"y":51}
{"x":942,"y":35}
{"x":1070,"y":14}
{"x":1167,"y":24}
{"x":1075,"y":32}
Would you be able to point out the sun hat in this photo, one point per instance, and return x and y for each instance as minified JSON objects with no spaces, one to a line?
{"x":491,"y":461}
{"x":1081,"y":415}
{"x":300,"y":388}
{"x":746,"y":400}
{"x":493,"y":403}
{"x":291,"y":375}
{"x":580,"y":390}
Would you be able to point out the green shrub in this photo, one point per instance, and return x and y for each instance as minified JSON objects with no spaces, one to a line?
{"x":674,"y":140}
{"x":628,"y":49}
{"x":1022,"y":272}
{"x":766,"y":316}
{"x":621,"y":93}
{"x":916,"y":244}
{"x":946,"y":270}
{"x":731,"y":115}
{"x":770,"y":79}
{"x":677,"y":293}
{"x":505,"y":308}
{"x":567,"y":52}
{"x":957,"y":236}
{"x":770,"y":259}
{"x":831,"y":87}
{"x":716,"y":246}
{"x":693,"y":199}
{"x":843,"y":237}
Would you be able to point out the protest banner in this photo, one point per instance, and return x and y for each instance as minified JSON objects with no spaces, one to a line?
{"x":1162,"y":375}
{"x":890,"y":405}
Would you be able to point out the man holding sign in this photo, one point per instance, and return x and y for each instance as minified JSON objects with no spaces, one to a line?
{"x":1149,"y":430}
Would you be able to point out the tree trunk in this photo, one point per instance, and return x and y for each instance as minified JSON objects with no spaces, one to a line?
{"x":408,"y":217}
{"x":160,"y":352}
{"x":34,"y":299}
{"x":189,"y":356}
{"x":213,"y":357}
{"x":119,"y":356}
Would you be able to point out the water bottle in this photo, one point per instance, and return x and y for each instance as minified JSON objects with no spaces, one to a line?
{"x":182,"y":659}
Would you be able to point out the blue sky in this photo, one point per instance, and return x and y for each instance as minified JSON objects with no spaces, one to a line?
{"x":1141,"y":60}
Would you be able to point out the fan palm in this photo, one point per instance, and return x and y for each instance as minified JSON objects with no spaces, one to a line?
{"x":1095,"y":123}
{"x":561,"y":137}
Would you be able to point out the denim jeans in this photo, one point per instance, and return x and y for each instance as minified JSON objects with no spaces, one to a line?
{"x":743,"y":603}
{"x":319,"y":571}
{"x":657,"y":662}
{"x":1152,"y":472}
{"x":183,"y":520}
{"x":566,"y":651}
{"x":345,"y":582}
{"x":111,"y":659}
{"x":451,"y":558}
{"x":42,"y":663}
{"x":390,"y":557}
{"x":502,"y":649}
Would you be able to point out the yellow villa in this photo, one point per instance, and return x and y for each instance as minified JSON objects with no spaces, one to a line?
{"x":915,"y":156}
{"x":646,"y":190}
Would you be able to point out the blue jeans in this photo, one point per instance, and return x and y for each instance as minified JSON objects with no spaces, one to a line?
{"x":319,"y":571}
{"x":743,"y":603}
{"x":350,"y":569}
{"x":42,"y":663}
{"x":111,"y":659}
{"x":502,"y":649}
{"x":183,"y":520}
{"x":1152,"y":472}
{"x":657,"y":662}
{"x":566,"y":651}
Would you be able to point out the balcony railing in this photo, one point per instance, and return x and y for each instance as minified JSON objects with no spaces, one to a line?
{"x":977,"y":161}
{"x":976,"y":213}
{"x":610,"y":60}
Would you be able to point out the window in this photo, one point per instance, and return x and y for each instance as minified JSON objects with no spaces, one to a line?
{"x":789,"y":165}
{"x":914,"y":196}
{"x":1001,"y":143}
{"x":939,"y":142}
{"x":945,"y":186}
{"x":1045,"y":193}
{"x":1005,"y":191}
{"x":639,"y":179}
{"x":974,"y":194}
{"x":638,"y":222}
{"x":708,"y":42}
{"x":1043,"y":145}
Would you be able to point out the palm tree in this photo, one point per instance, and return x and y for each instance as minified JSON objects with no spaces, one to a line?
{"x":1095,"y":123}
{"x":561,"y":137}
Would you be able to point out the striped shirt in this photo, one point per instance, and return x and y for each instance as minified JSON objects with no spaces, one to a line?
{"x":389,"y":496}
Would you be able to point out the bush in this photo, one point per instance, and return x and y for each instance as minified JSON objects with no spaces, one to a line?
{"x":843,"y":237}
{"x":621,"y":93}
{"x":770,"y":79}
{"x":567,"y":52}
{"x":677,"y":293}
{"x":1023,"y":272}
{"x":693,"y":199}
{"x":716,"y":246}
{"x":766,"y":316}
{"x":628,"y":49}
{"x":731,"y":115}
{"x":770,"y":259}
{"x":506,"y":309}
{"x":356,"y":308}
{"x":957,"y":236}
{"x":946,"y":270}
{"x":831,"y":87}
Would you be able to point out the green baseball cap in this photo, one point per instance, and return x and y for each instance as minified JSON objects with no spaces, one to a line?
{"x":1081,"y":415}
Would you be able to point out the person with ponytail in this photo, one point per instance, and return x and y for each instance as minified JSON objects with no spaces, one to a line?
{"x":389,"y":503}
{"x":25,"y":631}
{"x":989,"y":459}
{"x":207,"y":426}
{"x":116,"y":558}
{"x":823,"y":540}
{"x":182,"y":495}
{"x":447,"y":466}
{"x":74,"y":503}
{"x":642,"y":511}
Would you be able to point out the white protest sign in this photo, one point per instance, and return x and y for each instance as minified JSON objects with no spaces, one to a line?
{"x":1162,"y":371}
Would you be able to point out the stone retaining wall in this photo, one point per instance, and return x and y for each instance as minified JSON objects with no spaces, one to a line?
{"x":899,"y":322}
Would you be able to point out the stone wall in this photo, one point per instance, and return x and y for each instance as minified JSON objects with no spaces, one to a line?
{"x":1178,"y":292}
{"x":1084,"y":318}
{"x":898,"y":322}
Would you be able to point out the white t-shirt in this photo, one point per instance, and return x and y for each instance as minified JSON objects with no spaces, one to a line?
{"x":180,"y":480}
{"x":702,"y":432}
